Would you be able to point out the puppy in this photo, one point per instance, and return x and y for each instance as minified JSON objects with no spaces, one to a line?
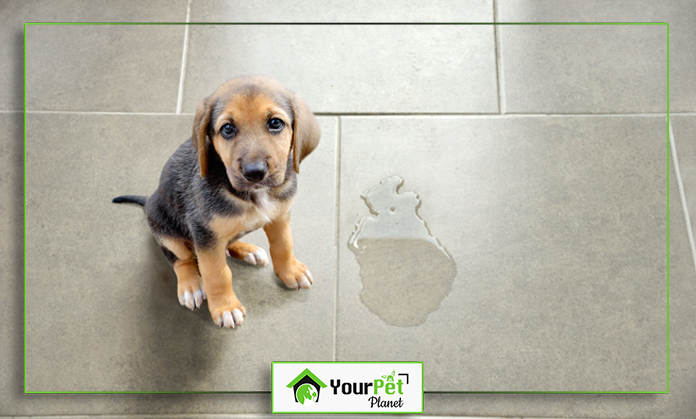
{"x":236,"y":174}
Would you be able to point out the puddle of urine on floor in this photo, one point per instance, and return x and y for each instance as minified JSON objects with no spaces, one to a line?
{"x":406,"y":272}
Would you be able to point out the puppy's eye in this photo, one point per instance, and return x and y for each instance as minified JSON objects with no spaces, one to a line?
{"x":275,"y":124}
{"x":228,"y":130}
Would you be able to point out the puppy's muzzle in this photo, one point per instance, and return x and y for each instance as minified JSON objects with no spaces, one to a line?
{"x":255,"y":171}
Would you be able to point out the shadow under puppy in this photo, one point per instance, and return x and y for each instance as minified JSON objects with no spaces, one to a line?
{"x":236,"y":174}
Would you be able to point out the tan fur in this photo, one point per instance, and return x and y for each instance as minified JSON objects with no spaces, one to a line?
{"x":305,"y":129}
{"x":240,"y":250}
{"x":254,"y":141}
{"x":217,"y":282}
{"x":280,"y":241}
{"x":227,"y":228}
{"x":185,"y":268}
{"x":200,"y":132}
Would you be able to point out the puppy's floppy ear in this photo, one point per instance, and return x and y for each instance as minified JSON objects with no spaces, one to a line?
{"x":200,"y":133}
{"x":305,"y":131}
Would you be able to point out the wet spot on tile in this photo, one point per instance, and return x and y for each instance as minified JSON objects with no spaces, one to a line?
{"x":406,"y":272}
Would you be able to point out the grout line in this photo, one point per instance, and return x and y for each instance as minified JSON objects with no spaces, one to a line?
{"x":336,"y":238}
{"x":110,"y":113}
{"x":243,"y":415}
{"x":1,"y":111}
{"x":682,"y":195}
{"x":498,"y":62}
{"x":180,"y":98}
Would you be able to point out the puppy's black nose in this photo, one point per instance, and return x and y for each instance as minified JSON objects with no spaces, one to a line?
{"x":254,"y":171}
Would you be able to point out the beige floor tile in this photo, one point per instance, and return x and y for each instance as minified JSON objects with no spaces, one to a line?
{"x":340,"y":11}
{"x":11,"y":255}
{"x":129,"y":68}
{"x":348,"y":69}
{"x":13,"y":14}
{"x":102,"y":312}
{"x":583,"y":68}
{"x":680,"y":14}
{"x":557,"y":227}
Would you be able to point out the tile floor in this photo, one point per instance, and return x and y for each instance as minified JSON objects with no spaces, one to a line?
{"x":556,"y":223}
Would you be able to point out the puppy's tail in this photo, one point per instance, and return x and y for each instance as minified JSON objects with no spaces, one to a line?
{"x":130,"y":199}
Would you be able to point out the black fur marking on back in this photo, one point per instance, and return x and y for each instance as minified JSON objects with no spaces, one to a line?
{"x":163,"y":220}
{"x":202,"y":236}
{"x":184,"y":203}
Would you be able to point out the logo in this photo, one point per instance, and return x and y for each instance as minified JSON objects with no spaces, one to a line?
{"x":347,"y":387}
{"x":306,"y":387}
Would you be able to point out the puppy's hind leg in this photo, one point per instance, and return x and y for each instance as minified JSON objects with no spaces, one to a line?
{"x":249,"y":253}
{"x":189,"y":285}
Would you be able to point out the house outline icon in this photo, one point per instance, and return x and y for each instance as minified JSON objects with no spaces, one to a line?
{"x":306,"y":376}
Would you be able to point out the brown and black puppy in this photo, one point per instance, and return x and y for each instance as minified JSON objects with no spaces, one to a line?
{"x":236,"y":174}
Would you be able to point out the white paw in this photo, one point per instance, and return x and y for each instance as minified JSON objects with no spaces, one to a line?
{"x":230,"y":320}
{"x":305,"y":280}
{"x":192,"y":300}
{"x":259,"y":257}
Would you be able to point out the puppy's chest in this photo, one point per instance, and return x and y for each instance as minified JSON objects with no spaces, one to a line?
{"x":261,"y":211}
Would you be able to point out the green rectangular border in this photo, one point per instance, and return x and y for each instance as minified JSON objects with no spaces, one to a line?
{"x":26,"y":391}
{"x":352,"y":413}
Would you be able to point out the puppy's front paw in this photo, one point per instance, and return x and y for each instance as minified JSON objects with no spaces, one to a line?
{"x":295,"y":275}
{"x":229,"y":315}
{"x":191,"y":294}
{"x":259,"y":257}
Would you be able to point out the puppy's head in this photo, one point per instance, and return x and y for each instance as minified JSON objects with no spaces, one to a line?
{"x":254,"y":123}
